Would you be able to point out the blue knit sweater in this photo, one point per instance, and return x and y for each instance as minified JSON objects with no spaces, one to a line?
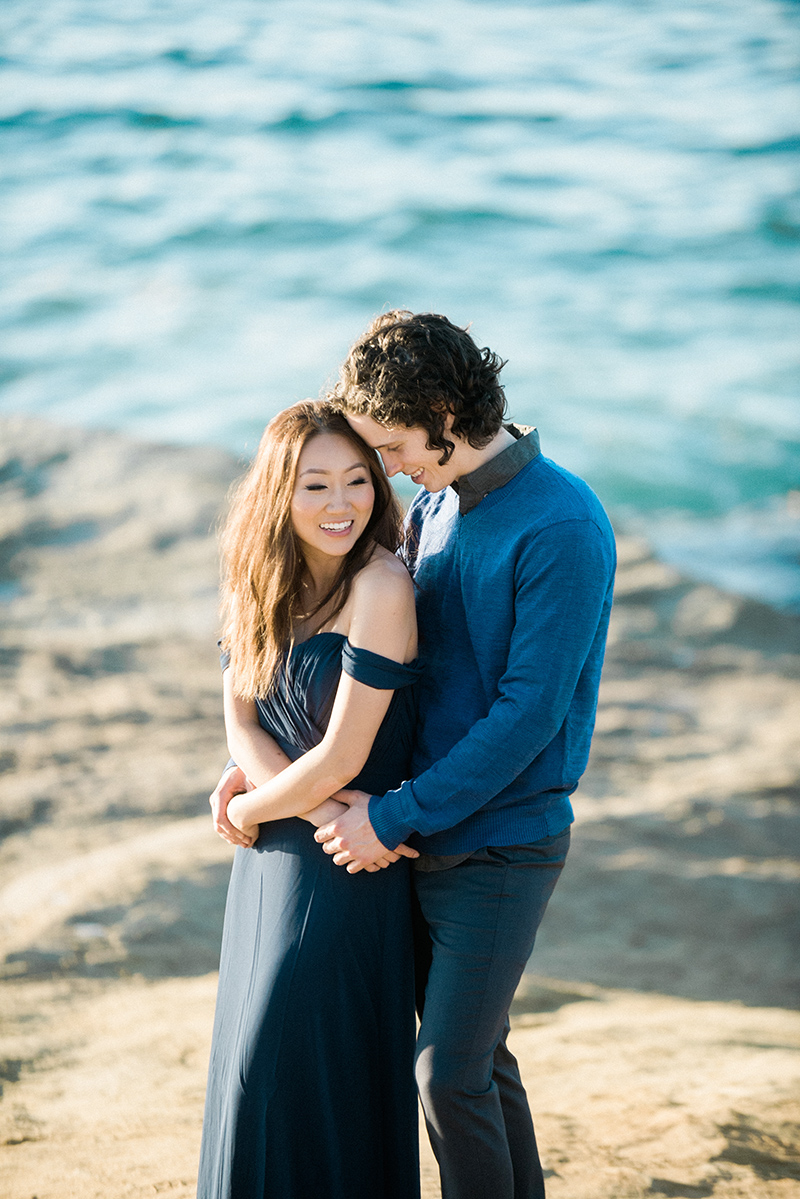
{"x":513,"y":600}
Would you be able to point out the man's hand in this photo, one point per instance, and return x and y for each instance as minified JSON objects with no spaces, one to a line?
{"x":233,"y":782}
{"x":326,"y":813}
{"x":351,"y":838}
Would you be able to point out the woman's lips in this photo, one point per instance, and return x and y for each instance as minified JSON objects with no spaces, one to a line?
{"x":337,"y":527}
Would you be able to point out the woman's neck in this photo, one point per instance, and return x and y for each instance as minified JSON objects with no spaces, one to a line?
{"x":317,"y":583}
{"x":321,"y":575}
{"x":318,"y":580}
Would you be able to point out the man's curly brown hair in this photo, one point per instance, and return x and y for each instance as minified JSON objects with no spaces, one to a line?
{"x":411,"y":369}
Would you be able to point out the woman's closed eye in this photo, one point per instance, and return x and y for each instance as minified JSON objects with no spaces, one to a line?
{"x":359,"y":482}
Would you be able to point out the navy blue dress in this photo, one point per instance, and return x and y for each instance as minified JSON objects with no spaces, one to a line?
{"x":311,"y":1090}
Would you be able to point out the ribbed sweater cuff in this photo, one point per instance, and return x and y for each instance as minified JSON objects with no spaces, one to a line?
{"x":389,"y":827}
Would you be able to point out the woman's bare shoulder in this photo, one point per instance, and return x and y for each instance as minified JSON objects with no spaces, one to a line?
{"x":382,"y":617}
{"x":384,"y":575}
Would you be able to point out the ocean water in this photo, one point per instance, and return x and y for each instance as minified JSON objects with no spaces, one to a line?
{"x":201,"y":205}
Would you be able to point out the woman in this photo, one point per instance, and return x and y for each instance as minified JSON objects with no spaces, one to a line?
{"x":311,"y":1089}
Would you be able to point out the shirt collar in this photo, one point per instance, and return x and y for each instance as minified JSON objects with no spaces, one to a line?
{"x":498,"y":471}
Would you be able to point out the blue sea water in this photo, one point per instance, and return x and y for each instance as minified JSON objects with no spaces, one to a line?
{"x":202,"y":204}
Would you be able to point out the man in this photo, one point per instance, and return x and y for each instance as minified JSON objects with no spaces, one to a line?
{"x":513,"y":563}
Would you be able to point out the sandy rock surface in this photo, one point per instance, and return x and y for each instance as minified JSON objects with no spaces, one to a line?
{"x":656,"y":1032}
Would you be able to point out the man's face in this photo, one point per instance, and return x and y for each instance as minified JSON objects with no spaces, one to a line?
{"x":405,"y":450}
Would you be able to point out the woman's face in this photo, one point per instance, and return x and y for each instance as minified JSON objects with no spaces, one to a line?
{"x":332,"y":498}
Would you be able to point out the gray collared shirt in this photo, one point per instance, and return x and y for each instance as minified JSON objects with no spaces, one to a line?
{"x":498,"y":471}
{"x":471,"y":489}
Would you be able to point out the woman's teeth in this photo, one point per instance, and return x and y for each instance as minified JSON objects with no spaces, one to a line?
{"x":337,"y":526}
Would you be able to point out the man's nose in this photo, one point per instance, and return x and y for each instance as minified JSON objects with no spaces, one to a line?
{"x":390,"y":464}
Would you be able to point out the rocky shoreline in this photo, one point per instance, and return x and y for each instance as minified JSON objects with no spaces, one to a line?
{"x":668,"y":955}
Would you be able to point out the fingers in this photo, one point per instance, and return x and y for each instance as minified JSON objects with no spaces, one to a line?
{"x":237,"y":842}
{"x":228,"y":831}
{"x":406,"y":851}
{"x":233,"y":834}
{"x":234,"y":837}
{"x":351,"y":798}
{"x":354,"y":867}
{"x":232,"y":783}
{"x":343,"y":859}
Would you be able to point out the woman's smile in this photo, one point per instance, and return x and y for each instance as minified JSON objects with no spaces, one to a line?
{"x":342,"y":526}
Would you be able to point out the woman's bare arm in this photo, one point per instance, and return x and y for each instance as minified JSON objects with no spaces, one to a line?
{"x":250,"y":746}
{"x":259,"y":758}
{"x":382,"y":621}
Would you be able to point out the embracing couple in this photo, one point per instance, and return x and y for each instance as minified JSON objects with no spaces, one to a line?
{"x":401,"y":810}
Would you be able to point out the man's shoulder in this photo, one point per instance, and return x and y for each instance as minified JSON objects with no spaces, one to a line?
{"x":568,"y":492}
{"x":543,"y":494}
{"x":540,"y":495}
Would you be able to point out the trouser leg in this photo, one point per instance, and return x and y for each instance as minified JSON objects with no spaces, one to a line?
{"x":527,"y":1169}
{"x":481,"y":919}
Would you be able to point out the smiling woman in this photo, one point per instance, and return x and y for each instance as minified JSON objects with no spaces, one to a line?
{"x":333,"y":498}
{"x":270,"y":591}
{"x":311,"y":1087}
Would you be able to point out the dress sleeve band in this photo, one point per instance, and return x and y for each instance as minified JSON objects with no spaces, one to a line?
{"x":376,"y":671}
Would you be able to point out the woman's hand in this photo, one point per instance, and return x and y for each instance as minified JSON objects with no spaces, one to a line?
{"x":233,"y":782}
{"x":239,"y":820}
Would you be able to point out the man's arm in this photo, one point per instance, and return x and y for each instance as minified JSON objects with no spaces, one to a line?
{"x":562,"y":585}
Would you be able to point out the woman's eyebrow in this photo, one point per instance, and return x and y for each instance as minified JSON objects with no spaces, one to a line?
{"x":321,"y":470}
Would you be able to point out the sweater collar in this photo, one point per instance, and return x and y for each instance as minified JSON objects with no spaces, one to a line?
{"x":498,"y":471}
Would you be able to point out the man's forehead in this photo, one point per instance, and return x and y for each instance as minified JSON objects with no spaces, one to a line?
{"x":377,"y":435}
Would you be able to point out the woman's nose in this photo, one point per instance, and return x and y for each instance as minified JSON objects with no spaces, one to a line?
{"x":338,"y":500}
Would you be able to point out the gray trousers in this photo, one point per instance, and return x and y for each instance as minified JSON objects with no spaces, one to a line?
{"x":475,"y":928}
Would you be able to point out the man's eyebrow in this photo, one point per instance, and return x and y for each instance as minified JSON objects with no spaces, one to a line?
{"x":321,"y":470}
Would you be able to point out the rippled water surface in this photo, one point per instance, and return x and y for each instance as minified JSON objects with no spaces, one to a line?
{"x":202,"y":204}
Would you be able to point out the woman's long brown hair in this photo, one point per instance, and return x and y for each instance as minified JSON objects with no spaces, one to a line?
{"x":263,"y":567}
